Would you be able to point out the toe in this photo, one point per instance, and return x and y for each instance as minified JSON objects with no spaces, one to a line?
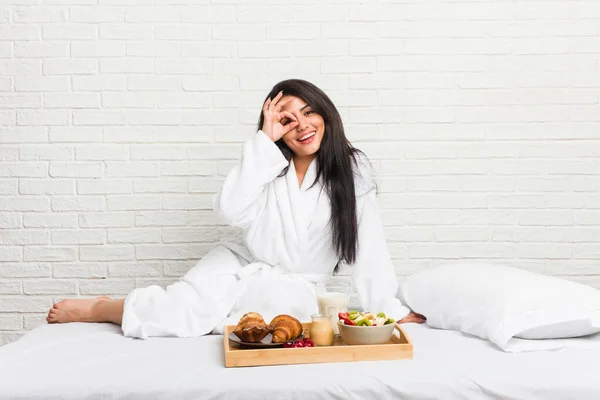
{"x":60,"y":304}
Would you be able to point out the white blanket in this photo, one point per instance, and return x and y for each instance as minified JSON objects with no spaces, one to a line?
{"x":285,"y":247}
{"x":95,"y":361}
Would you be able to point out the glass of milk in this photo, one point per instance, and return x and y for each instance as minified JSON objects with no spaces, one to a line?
{"x":333,"y":298}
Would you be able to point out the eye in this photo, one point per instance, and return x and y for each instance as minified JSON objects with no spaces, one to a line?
{"x":309,"y":112}
{"x":286,"y":121}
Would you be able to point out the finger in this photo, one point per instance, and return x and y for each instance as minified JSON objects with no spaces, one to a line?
{"x":275,"y":100}
{"x":287,"y":114}
{"x":266,"y":105}
{"x":292,"y":125}
{"x":282,"y":103}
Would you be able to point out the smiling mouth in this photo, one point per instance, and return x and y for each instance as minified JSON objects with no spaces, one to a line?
{"x":307,"y":136}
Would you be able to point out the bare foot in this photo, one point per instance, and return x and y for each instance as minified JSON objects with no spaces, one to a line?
{"x":76,"y":310}
{"x":413,"y":318}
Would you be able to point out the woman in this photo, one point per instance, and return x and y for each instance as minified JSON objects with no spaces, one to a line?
{"x":305,"y":201}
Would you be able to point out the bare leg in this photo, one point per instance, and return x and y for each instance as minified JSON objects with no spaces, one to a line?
{"x":100,"y":309}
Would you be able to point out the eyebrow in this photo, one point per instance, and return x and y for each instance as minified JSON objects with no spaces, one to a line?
{"x":308,"y":105}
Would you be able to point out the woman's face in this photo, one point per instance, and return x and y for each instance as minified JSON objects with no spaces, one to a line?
{"x":305,"y":139}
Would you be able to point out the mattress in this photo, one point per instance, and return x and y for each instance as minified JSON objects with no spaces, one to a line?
{"x":95,"y":361}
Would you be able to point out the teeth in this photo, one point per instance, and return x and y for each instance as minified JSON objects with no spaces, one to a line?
{"x":307,"y":136}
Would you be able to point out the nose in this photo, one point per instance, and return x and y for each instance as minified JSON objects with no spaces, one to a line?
{"x":302,"y":124}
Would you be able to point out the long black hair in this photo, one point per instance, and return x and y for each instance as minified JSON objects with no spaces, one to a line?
{"x":336,"y":165}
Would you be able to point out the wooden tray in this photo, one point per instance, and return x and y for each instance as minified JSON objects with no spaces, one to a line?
{"x":398,"y":348}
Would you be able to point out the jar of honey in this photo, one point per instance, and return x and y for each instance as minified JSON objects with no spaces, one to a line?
{"x":321,"y":330}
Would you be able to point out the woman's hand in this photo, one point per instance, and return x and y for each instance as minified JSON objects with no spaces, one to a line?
{"x":277,"y":123}
{"x":413,"y":317}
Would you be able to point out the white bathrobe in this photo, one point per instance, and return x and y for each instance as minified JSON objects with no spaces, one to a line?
{"x":285,"y":247}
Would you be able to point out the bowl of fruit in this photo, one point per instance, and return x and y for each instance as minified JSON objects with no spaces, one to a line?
{"x":365,"y":327}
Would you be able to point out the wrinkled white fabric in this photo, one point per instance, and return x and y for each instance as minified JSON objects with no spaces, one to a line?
{"x":285,"y":247}
{"x":80,"y":361}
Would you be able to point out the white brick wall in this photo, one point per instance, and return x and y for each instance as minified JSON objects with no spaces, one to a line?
{"x":119,"y":119}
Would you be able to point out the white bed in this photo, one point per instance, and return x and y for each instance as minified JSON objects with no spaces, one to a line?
{"x":95,"y":361}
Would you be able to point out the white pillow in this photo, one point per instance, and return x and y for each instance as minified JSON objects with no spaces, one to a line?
{"x":505,"y":305}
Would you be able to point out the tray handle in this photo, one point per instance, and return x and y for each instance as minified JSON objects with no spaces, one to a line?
{"x":399,"y":330}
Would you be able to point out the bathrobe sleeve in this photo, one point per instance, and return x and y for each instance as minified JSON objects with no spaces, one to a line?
{"x":243,"y":196}
{"x":373,"y":272}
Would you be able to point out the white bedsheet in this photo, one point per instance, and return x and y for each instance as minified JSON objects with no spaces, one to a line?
{"x":95,"y":361}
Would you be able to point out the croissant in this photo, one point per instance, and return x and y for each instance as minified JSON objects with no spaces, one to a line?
{"x":252,"y":328}
{"x":285,"y":327}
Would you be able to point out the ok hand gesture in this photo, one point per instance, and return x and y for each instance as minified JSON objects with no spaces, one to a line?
{"x":277,"y":123}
